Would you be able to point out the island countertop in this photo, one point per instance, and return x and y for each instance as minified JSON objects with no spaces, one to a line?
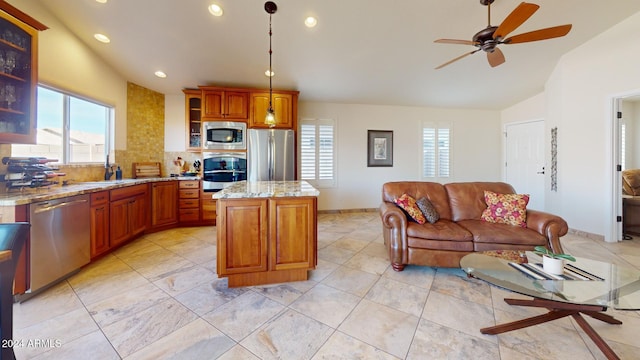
{"x":261,"y":189}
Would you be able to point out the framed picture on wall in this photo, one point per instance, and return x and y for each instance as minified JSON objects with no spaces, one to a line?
{"x":379,"y":148}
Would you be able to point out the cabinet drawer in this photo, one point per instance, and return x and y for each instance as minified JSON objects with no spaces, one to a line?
{"x":189,"y":194}
{"x":189,"y":203}
{"x":128,"y":191}
{"x":99,"y":198}
{"x":188,"y":215}
{"x":189,"y":184}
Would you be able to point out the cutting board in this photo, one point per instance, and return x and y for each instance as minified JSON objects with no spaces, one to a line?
{"x":146,"y":169}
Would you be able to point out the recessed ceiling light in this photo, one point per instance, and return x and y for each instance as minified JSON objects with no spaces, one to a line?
{"x":160,"y":74}
{"x":310,"y":22}
{"x":102,"y":1}
{"x":215,"y":10}
{"x":102,"y":38}
{"x":269,"y":73}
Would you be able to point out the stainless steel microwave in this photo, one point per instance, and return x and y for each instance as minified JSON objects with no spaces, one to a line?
{"x":225,"y":135}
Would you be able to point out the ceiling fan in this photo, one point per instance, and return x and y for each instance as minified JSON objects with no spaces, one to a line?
{"x":489,"y":38}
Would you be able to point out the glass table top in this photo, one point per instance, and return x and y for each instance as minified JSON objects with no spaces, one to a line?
{"x":619,"y":288}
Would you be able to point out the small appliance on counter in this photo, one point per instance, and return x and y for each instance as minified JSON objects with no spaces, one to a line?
{"x":29,"y":172}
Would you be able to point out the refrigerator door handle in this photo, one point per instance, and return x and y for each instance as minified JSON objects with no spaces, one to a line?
{"x":271,"y":155}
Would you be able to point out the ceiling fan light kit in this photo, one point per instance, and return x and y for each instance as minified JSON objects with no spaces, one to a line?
{"x":490,"y":37}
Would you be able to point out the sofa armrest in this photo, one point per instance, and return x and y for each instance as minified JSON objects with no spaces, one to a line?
{"x":394,"y":230}
{"x":549,"y":225}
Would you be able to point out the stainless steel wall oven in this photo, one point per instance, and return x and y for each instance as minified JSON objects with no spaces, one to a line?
{"x":221,"y":169}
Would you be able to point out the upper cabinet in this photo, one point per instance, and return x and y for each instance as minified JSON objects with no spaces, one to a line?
{"x":18,"y":75}
{"x":193,"y":111}
{"x":285,"y":107}
{"x":224,"y":104}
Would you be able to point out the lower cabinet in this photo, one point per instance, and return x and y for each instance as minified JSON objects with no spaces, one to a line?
{"x":128,"y":213}
{"x":262,"y":241}
{"x":99,"y":223}
{"x":164,"y":203}
{"x":189,"y":201}
{"x":208,"y":208}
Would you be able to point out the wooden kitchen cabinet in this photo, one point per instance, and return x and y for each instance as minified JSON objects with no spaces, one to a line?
{"x":164,"y":204}
{"x":284,"y":105}
{"x":262,"y":241}
{"x":189,"y":201}
{"x":224,"y":103}
{"x":18,"y":75}
{"x":207,"y":208}
{"x":99,"y":223}
{"x":128,"y":213}
{"x":19,"y":213}
{"x":193,"y":115}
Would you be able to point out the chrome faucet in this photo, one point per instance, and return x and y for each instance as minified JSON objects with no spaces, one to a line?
{"x":108,"y":170}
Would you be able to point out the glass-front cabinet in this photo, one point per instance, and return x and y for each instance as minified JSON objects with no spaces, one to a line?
{"x":18,"y":77}
{"x":193,"y":111}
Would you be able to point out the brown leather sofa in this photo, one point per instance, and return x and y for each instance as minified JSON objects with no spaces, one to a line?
{"x":460,"y":230}
{"x":631,"y":201}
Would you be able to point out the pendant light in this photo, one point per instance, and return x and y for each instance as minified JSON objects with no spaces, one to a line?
{"x":270,"y":7}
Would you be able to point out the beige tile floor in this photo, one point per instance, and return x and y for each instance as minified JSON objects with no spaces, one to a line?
{"x":159,"y":298}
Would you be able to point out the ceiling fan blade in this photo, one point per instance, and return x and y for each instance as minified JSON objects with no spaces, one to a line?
{"x":495,"y":58}
{"x":517,"y":17}
{"x":458,"y":58}
{"x":454,"y":41}
{"x":542,"y":34}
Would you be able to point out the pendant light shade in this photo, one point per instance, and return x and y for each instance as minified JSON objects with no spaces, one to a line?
{"x":270,"y":119}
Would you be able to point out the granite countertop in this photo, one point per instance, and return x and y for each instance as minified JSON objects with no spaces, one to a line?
{"x":261,"y":189}
{"x":29,"y":195}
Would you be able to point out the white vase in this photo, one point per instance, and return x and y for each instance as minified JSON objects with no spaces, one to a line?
{"x":553,"y":266}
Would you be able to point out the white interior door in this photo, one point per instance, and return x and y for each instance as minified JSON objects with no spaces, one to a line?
{"x":525,"y":164}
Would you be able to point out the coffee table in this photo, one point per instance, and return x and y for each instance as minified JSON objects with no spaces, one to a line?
{"x":617,"y":287}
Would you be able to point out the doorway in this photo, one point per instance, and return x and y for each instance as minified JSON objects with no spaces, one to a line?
{"x":525,"y":162}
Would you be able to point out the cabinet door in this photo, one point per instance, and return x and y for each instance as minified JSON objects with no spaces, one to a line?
{"x":164,"y":203}
{"x":193,"y":123}
{"x":292,"y":233}
{"x":212,"y":104}
{"x":282,"y":106}
{"x":138,"y":214}
{"x":99,"y":229}
{"x":242,"y":240}
{"x":119,"y":221}
{"x":18,"y":81}
{"x":236,"y":105}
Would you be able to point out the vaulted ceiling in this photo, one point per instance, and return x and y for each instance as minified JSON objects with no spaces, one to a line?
{"x":361,"y":51}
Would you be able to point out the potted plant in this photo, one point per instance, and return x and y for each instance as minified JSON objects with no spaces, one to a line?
{"x":552,"y":263}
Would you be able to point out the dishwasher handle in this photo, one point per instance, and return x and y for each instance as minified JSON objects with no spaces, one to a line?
{"x":57,"y":206}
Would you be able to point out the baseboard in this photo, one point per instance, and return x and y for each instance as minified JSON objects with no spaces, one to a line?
{"x":347,"y":211}
{"x":588,"y":235}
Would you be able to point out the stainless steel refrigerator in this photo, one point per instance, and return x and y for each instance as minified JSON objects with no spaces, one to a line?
{"x":270,"y":155}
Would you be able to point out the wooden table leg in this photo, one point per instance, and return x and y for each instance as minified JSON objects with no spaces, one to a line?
{"x":559,"y":310}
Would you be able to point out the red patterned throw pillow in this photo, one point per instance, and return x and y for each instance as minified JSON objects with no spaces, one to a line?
{"x":508,"y":209}
{"x":408,"y":204}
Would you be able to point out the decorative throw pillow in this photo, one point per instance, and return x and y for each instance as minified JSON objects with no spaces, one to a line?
{"x":428,"y":210}
{"x":408,"y":204}
{"x":506,"y":208}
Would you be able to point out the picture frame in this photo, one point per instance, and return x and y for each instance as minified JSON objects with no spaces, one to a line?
{"x":379,"y":148}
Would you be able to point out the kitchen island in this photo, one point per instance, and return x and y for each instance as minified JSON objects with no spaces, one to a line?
{"x":266,"y":231}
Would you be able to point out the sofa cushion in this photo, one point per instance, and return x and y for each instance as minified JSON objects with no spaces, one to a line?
{"x":631,"y":182}
{"x":510,"y":209}
{"x":489,"y":233}
{"x":433,"y":191}
{"x":428,"y":210}
{"x":408,"y":204}
{"x":467,"y":199}
{"x":441,"y":230}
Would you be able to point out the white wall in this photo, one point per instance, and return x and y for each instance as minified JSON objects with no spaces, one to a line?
{"x":174,"y":123}
{"x":578,"y":99}
{"x":67,"y":63}
{"x":476,"y":148}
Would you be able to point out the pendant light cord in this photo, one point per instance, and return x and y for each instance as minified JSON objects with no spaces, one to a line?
{"x":270,"y":70}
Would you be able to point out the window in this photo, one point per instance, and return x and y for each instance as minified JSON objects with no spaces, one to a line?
{"x":436,"y":150}
{"x":70,"y":129}
{"x":317,"y":152}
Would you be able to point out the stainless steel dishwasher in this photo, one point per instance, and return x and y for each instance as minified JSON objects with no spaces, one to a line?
{"x":60,"y":239}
